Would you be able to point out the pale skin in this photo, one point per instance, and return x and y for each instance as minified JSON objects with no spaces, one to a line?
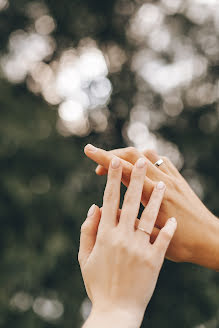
{"x":114,"y":252}
{"x":197,"y":236}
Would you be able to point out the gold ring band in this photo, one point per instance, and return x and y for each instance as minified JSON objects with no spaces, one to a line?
{"x":148,"y":233}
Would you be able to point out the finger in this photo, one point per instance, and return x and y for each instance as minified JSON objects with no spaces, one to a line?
{"x":118,"y":214}
{"x":88,"y":234}
{"x":150,"y":213}
{"x":171,"y":168}
{"x":153,"y":157}
{"x":111,"y":197}
{"x":131,"y":155}
{"x":100,"y":170}
{"x":151,"y":154}
{"x":133,"y":195}
{"x":154,"y":233}
{"x":104,"y":158}
{"x":164,"y":238}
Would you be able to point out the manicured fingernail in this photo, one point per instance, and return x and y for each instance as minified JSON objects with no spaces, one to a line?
{"x":141,"y":162}
{"x":115,"y":163}
{"x":161,"y":185}
{"x":91,"y":148}
{"x":173,"y":220}
{"x":91,"y":210}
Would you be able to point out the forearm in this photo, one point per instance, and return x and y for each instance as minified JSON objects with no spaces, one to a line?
{"x":207,"y":250}
{"x":111,"y":319}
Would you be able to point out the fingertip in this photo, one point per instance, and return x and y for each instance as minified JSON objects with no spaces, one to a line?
{"x":89,"y":149}
{"x":91,"y":210}
{"x":100,"y":170}
{"x":161,"y":185}
{"x":115,"y":162}
{"x":141,"y":163}
{"x":86,"y":149}
{"x":173,"y":222}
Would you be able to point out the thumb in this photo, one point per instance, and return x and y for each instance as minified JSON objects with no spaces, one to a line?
{"x":100,"y":170}
{"x":88,"y":234}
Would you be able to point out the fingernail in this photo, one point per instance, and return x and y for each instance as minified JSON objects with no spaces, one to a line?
{"x":115,"y":163}
{"x":91,"y":148}
{"x":141,"y":162}
{"x":173,"y":220}
{"x":91,"y":210}
{"x":161,"y":185}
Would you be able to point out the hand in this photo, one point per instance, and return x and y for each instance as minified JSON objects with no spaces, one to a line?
{"x":196,"y":239}
{"x":119,"y":265}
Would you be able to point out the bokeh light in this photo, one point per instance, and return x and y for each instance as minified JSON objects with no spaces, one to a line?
{"x":48,"y":309}
{"x":4,"y":4}
{"x":143,"y":73}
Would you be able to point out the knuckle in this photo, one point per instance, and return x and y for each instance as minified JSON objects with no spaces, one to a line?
{"x":102,"y":238}
{"x":171,"y":182}
{"x":108,"y":196}
{"x":149,"y":261}
{"x":129,"y":197}
{"x":131,"y":150}
{"x":137,"y":254}
{"x":109,"y":192}
{"x":123,"y":244}
{"x":149,"y":152}
{"x":120,"y":242}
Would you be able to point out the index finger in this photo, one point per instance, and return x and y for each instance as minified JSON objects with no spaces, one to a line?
{"x":112,"y":194}
{"x":131,"y":155}
{"x":104,"y":158}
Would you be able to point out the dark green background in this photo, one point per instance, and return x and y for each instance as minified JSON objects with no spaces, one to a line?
{"x":40,"y":231}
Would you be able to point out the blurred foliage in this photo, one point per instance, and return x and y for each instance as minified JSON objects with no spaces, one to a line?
{"x":47,"y":184}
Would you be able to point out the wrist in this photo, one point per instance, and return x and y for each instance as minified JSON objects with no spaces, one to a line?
{"x":206,"y":250}
{"x":116,"y":317}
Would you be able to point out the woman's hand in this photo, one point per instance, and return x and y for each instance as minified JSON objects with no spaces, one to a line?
{"x":119,"y":265}
{"x":196,"y":239}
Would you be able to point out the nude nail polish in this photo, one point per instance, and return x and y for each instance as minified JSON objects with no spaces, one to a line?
{"x":91,"y":148}
{"x":161,"y":185}
{"x":141,"y":162}
{"x":91,"y":210}
{"x":115,"y":163}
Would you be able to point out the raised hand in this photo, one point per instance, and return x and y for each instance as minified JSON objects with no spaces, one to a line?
{"x":119,"y":265}
{"x":196,"y":239}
